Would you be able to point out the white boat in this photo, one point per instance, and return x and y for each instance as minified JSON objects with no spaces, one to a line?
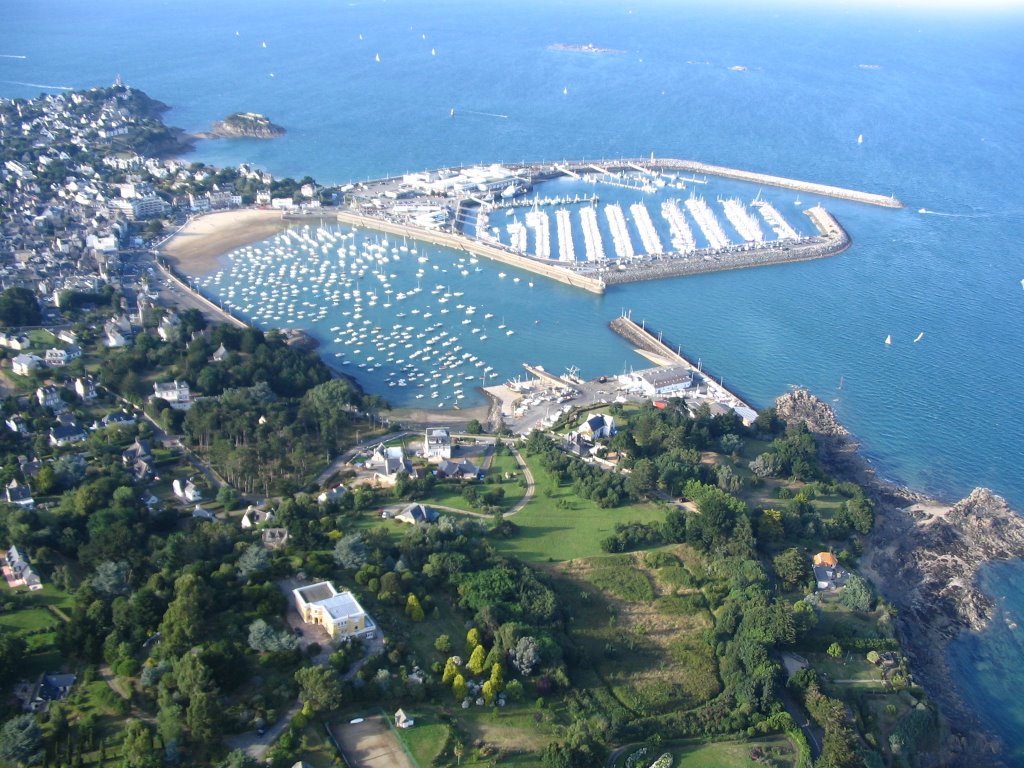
{"x":888,"y":339}
{"x":860,"y":138}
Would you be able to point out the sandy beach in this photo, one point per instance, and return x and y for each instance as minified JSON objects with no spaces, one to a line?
{"x":196,"y":249}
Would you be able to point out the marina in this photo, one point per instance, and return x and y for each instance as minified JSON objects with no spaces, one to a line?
{"x":456,"y":208}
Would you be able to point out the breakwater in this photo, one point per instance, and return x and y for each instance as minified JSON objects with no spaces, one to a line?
{"x":831,"y":240}
{"x":642,"y":337}
{"x":653,"y":165}
{"x":592,"y":283}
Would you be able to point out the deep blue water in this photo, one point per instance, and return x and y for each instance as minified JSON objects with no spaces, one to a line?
{"x":941,"y":115}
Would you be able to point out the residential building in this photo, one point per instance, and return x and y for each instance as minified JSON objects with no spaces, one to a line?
{"x":85,"y":387}
{"x":389,"y":462}
{"x":339,"y":613}
{"x":186,"y":490}
{"x":57,"y":357}
{"x":24,"y":364}
{"x":49,"y":397}
{"x":417,"y":514}
{"x":274,"y":538}
{"x":256,"y":516}
{"x":437,"y":444}
{"x":19,"y":494}
{"x":597,"y":426}
{"x":176,"y":393}
{"x":331,"y":493}
{"x":65,"y":434}
{"x":462,"y":470}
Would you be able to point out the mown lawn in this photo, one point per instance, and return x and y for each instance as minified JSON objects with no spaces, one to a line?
{"x":558,"y":525}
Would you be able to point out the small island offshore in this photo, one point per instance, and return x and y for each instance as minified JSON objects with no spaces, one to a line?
{"x":220,"y":552}
{"x":251,"y":125}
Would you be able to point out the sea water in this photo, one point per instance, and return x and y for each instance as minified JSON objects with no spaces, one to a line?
{"x":783,"y":89}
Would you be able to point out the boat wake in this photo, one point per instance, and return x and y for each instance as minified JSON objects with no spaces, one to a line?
{"x":479,"y":114}
{"x":12,"y":56}
{"x":39,"y":85}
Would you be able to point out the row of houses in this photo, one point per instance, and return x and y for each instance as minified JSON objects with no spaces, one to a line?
{"x":18,"y":570}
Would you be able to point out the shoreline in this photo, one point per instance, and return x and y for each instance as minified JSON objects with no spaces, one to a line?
{"x":923,"y":556}
{"x":198,"y":248}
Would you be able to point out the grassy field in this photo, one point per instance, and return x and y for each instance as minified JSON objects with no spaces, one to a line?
{"x":558,"y":525}
{"x":723,"y":754}
{"x":646,"y":641}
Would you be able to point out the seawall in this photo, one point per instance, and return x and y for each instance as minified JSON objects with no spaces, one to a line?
{"x":831,"y":240}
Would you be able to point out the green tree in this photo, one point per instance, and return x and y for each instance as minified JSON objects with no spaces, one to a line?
{"x":227,"y":497}
{"x":497,"y":679}
{"x":252,"y":561}
{"x":138,"y":746}
{"x":263,"y":638}
{"x":350,"y":551}
{"x":21,"y":740}
{"x":443,"y":644}
{"x":472,"y":639}
{"x":474,"y":427}
{"x":320,"y":689}
{"x":18,"y":306}
{"x":792,"y":567}
{"x":477,"y":660}
{"x":451,"y":669}
{"x":202,"y":717}
{"x":413,"y":609}
{"x":12,"y":655}
{"x":856,"y":595}
{"x":835,"y":650}
{"x":184,"y":619}
{"x":459,"y":687}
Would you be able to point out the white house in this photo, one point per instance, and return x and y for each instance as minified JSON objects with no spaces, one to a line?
{"x":57,"y":357}
{"x":187,"y":490}
{"x":49,"y":397}
{"x":254,"y":516}
{"x":331,"y":493}
{"x":339,"y":613}
{"x":23,"y":365}
{"x":598,"y":425}
{"x":176,"y":393}
{"x":437,"y":444}
{"x":389,"y":462}
{"x":85,"y":387}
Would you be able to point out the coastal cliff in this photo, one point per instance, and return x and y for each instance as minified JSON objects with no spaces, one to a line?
{"x":924,"y":557}
{"x":250,"y":125}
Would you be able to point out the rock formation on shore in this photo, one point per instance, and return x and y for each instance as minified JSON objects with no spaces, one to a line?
{"x":245,"y":124}
{"x":924,"y":557}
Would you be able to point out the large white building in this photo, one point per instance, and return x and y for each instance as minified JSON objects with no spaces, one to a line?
{"x":437,"y":443}
{"x":661,"y":381}
{"x":337,"y":612}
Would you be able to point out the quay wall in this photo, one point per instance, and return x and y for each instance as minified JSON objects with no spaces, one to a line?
{"x":449,"y":240}
{"x":832,"y":239}
{"x":643,"y":337}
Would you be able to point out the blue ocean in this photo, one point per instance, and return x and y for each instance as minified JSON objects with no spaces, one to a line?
{"x":366,"y":89}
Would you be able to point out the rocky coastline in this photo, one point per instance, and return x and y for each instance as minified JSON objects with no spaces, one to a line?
{"x":250,"y":125}
{"x":923,"y":556}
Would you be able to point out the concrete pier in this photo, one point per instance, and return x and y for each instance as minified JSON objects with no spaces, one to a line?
{"x":644,"y":338}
